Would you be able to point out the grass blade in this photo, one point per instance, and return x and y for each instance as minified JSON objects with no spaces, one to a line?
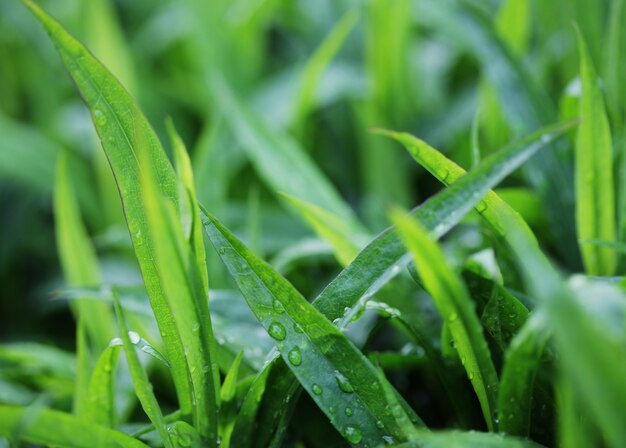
{"x":333,"y":371}
{"x":330,"y":227}
{"x":380,"y":261}
{"x":471,"y":439}
{"x":143,"y":387}
{"x":101,"y":393}
{"x":595,"y":196}
{"x":518,"y":376}
{"x":54,"y":428}
{"x":456,"y":308}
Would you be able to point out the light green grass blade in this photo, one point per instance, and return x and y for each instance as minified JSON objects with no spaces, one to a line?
{"x":100,"y":407}
{"x":78,"y":258}
{"x":142,"y":385}
{"x":587,"y":346}
{"x":345,"y":244}
{"x":279,"y":160}
{"x":595,"y":194}
{"x":470,"y":439}
{"x":228,"y":400}
{"x":381,"y":260}
{"x":54,"y":428}
{"x":518,"y":376}
{"x":333,"y":371}
{"x":130,"y":145}
{"x":243,"y":432}
{"x":491,"y":207}
{"x":315,"y":67}
{"x":456,"y":308}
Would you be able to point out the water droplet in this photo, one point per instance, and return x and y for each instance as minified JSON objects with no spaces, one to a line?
{"x":100,"y":118}
{"x":388,"y":440}
{"x":444,"y":174}
{"x":470,"y":376}
{"x":134,"y":337}
{"x":297,"y":328}
{"x":294,"y":356}
{"x":222,"y":251}
{"x":138,"y":234}
{"x":277,"y":331}
{"x":317,"y":389}
{"x":349,"y":412}
{"x":496,"y":417}
{"x":336,"y":321}
{"x":512,"y":316}
{"x":343,"y":383}
{"x":195,"y":327}
{"x":278,"y":306}
{"x":380,"y":424}
{"x":481,"y":206}
{"x":353,"y":434}
{"x":452,"y":317}
{"x":346,"y":310}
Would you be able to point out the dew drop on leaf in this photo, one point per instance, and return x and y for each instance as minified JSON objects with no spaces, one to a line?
{"x":452,"y":317}
{"x":353,"y":434}
{"x":317,"y":389}
{"x":349,"y":412}
{"x":278,"y":306}
{"x":222,"y":251}
{"x":134,"y":337}
{"x":343,"y":383}
{"x":294,"y":356}
{"x":277,"y":331}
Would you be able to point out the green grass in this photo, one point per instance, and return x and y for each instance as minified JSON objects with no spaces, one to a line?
{"x":212,"y":248}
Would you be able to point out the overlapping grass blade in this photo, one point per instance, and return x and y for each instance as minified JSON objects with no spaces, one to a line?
{"x":56,"y":428}
{"x":518,"y":376}
{"x":586,"y":349}
{"x":100,"y":408}
{"x":125,"y":135}
{"x":143,"y":387}
{"x":381,"y":260}
{"x":456,"y":308}
{"x":595,"y":195}
{"x":149,"y":191}
{"x":333,"y":371}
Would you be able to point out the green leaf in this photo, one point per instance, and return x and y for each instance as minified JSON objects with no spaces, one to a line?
{"x":456,"y":308}
{"x":470,"y":439}
{"x":228,"y":408}
{"x":100,"y":407}
{"x":130,"y":145}
{"x":595,"y":194}
{"x":383,"y":257}
{"x":330,"y":227}
{"x":587,"y":346}
{"x":78,"y":258}
{"x":518,"y":376}
{"x":54,"y":428}
{"x":332,"y":370}
{"x":143,"y":387}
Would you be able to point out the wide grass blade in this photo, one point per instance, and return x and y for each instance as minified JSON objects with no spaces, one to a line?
{"x":54,"y":428}
{"x":456,"y":308}
{"x":595,"y":194}
{"x":587,"y":346}
{"x":100,"y":408}
{"x":518,"y":376}
{"x":332,"y":370}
